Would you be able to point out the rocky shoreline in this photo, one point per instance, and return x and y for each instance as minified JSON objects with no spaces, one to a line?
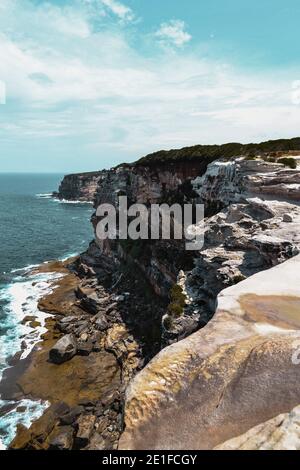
{"x":112,"y":341}
{"x":134,"y":324}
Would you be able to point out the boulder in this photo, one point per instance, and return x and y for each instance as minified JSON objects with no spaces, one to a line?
{"x":101,"y":322}
{"x":97,"y":442}
{"x":287,"y":218}
{"x":72,"y":415}
{"x":84,"y":348}
{"x":90,"y":303}
{"x":62,"y":438}
{"x":63,"y":350}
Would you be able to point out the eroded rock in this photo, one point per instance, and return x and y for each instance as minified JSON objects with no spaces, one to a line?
{"x":62,"y":439}
{"x":280,"y":433}
{"x":226,"y":378}
{"x":85,"y":424}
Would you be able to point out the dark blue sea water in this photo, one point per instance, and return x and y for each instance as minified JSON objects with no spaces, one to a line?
{"x":34,"y":228}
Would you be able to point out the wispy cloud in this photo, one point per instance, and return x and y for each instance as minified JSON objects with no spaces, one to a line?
{"x":102,"y":95}
{"x":173,"y":33}
{"x":122,"y":11}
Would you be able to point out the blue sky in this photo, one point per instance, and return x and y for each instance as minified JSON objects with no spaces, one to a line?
{"x":92,"y":83}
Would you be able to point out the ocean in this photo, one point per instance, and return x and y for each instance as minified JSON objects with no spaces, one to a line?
{"x":34,"y":228}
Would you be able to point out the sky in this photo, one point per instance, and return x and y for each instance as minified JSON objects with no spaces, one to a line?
{"x":88,"y":84}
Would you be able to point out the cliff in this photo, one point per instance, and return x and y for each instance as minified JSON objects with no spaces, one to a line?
{"x":203,"y":340}
{"x":252,"y":225}
{"x":79,"y":187}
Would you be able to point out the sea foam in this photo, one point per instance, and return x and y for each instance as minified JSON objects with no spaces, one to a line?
{"x":20,"y":299}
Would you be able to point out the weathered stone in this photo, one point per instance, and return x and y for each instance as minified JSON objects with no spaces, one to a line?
{"x":85,"y":425}
{"x":90,"y":303}
{"x":287,"y":218}
{"x":62,"y":438}
{"x":101,"y":323}
{"x":7,"y":408}
{"x":84,"y":337}
{"x":63,"y":350}
{"x":65,"y":322}
{"x":80,"y":187}
{"x":72,"y":415}
{"x":36,"y":436}
{"x":97,"y":442}
{"x":20,"y":409}
{"x":13,"y":360}
{"x":280,"y":433}
{"x":84,"y":348}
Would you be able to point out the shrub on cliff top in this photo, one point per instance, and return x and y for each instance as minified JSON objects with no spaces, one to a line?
{"x":208,"y":153}
{"x":288,"y":161}
{"x":178,"y":299}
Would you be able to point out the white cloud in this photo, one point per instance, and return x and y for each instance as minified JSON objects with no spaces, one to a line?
{"x":122,"y":11}
{"x":95,"y":89}
{"x":173,"y":33}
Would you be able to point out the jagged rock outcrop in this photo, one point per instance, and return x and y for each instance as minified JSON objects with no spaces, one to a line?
{"x":217,"y":185}
{"x":226,"y":182}
{"x":239,"y":241}
{"x":80,"y":187}
{"x":226,"y":378}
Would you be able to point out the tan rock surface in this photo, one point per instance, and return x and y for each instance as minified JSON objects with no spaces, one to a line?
{"x":280,"y":433}
{"x":228,"y":377}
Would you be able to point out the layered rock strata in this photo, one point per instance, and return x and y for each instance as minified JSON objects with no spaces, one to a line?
{"x":79,"y":187}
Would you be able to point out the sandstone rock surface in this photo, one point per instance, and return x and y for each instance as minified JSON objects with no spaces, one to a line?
{"x":225,"y":379}
{"x":280,"y":433}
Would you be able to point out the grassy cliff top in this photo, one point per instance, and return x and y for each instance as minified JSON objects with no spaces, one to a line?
{"x":213,"y":152}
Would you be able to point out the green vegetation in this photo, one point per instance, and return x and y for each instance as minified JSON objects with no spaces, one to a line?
{"x":238,"y":278}
{"x":288,"y":161}
{"x":205,"y":154}
{"x":178,"y":299}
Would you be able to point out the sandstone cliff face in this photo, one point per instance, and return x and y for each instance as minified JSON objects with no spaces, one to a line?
{"x":250,"y":234}
{"x":161,"y":261}
{"x":209,"y":382}
{"x":79,"y":187}
{"x":240,"y":321}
